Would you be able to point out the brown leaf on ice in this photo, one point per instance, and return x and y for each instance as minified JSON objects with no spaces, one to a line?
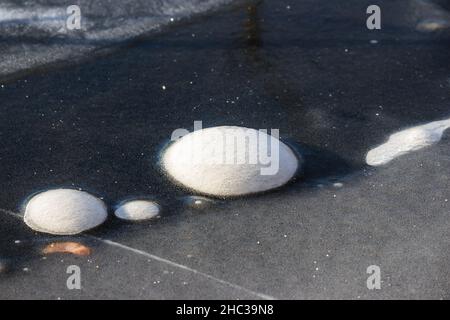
{"x":67,"y":247}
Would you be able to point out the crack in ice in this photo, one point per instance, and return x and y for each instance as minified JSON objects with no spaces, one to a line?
{"x":165,"y":261}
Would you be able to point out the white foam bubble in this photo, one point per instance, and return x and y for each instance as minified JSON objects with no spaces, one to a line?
{"x":138,"y":210}
{"x":201,"y":161}
{"x":406,"y":141}
{"x":64,"y":212}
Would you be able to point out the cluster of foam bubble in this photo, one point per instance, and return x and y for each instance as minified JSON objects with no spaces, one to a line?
{"x":67,"y":211}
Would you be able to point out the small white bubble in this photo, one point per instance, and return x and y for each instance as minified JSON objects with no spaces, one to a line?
{"x":138,"y":210}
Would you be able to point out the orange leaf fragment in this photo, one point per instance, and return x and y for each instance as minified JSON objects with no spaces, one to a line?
{"x":67,"y":247}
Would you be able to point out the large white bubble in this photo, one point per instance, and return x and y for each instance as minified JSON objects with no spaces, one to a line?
{"x":64,"y":212}
{"x":230,"y":161}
